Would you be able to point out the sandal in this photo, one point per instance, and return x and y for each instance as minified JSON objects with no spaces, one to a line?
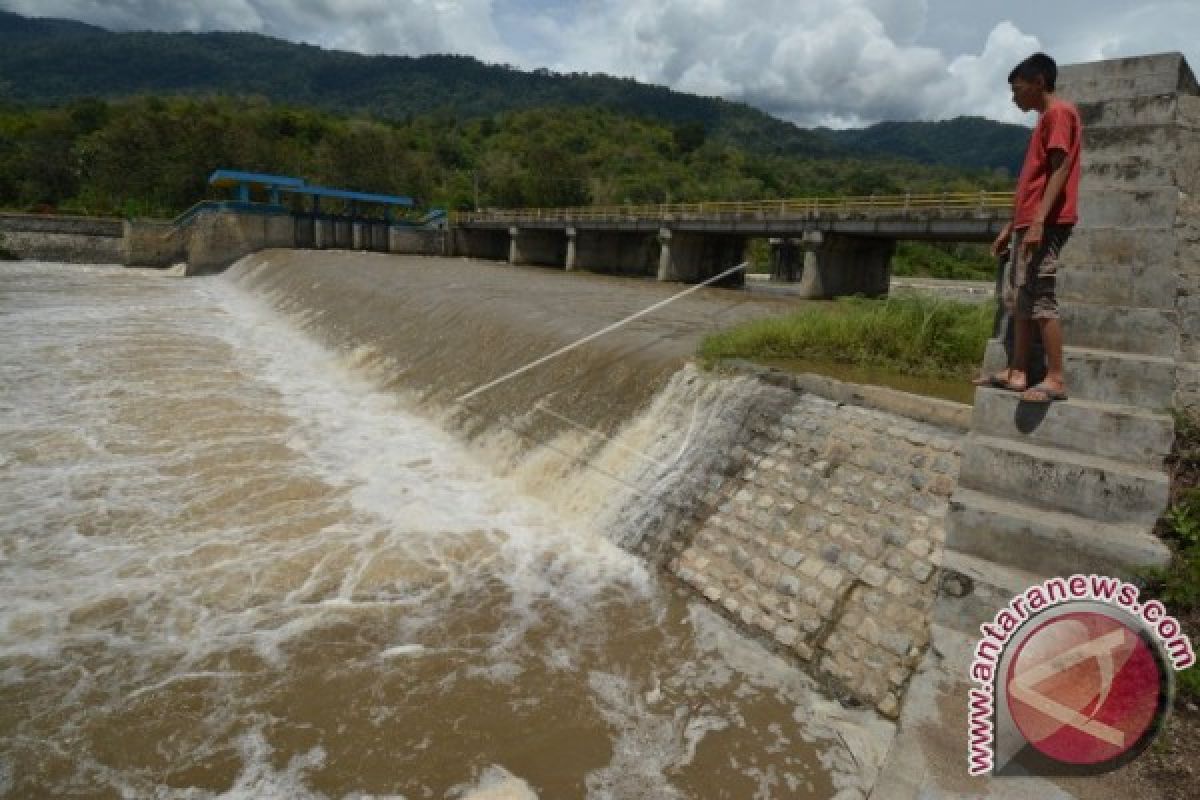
{"x":1042,"y":394}
{"x":997,"y":380}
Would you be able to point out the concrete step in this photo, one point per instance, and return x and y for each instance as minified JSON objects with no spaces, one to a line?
{"x":1091,"y":486}
{"x":992,"y":585}
{"x":1097,"y":247}
{"x":1132,"y":172}
{"x":1140,"y":76}
{"x":1138,"y":156}
{"x":1149,"y":209}
{"x":1158,"y":142}
{"x":1124,"y":112}
{"x":1119,"y":432}
{"x":1042,"y":541}
{"x":1138,"y":285}
{"x":1106,"y":376}
{"x":1126,"y":329}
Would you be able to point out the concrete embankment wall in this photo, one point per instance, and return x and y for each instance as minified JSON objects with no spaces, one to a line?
{"x":75,"y":240}
{"x":207,"y":242}
{"x":815,"y":523}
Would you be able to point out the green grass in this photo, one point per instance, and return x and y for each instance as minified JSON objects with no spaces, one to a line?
{"x":917,"y":334}
{"x":1178,"y":584}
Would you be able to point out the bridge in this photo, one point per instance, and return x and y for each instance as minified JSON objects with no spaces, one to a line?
{"x":829,"y":245}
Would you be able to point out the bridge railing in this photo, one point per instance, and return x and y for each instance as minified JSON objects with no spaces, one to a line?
{"x":956,"y":202}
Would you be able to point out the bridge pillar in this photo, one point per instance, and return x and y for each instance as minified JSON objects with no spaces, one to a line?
{"x":322,"y":233}
{"x":572,"y":252}
{"x":356,"y":236}
{"x":837,"y":265}
{"x":693,"y":257}
{"x":665,"y":272}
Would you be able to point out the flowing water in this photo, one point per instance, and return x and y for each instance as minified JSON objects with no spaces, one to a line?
{"x":233,"y":566}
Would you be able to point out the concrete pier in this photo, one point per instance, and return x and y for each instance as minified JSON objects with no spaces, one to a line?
{"x":572,"y":242}
{"x":837,"y":265}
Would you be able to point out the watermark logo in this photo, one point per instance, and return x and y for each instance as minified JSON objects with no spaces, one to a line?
{"x":1075,"y":676}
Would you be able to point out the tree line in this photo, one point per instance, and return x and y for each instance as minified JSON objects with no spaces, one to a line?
{"x":151,"y":156}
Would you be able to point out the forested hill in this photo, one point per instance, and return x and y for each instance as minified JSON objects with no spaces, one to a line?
{"x":961,"y":142}
{"x":51,"y":61}
{"x":48,"y":62}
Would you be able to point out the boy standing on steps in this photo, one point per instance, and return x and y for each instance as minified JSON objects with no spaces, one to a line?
{"x":1044,"y":211}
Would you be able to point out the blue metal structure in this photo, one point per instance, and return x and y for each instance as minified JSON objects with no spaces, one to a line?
{"x":245,"y":180}
{"x":275,"y":184}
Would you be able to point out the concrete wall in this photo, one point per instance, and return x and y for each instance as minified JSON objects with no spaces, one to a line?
{"x":1141,"y":175}
{"x":823,"y":538}
{"x":414,"y":242}
{"x":378,"y":237}
{"x":323,"y":234}
{"x":217,"y":239}
{"x":214,"y":239}
{"x":54,"y":238}
{"x":151,"y":243}
{"x":305,"y":232}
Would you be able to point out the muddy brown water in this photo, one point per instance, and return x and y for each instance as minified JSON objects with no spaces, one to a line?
{"x":236,"y":561}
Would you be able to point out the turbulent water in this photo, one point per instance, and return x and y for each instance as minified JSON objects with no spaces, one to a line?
{"x":231,"y":565}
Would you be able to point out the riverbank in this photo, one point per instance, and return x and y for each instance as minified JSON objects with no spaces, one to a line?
{"x":909,"y":335}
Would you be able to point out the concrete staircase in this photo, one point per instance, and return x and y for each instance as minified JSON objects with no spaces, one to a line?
{"x":1078,"y":485}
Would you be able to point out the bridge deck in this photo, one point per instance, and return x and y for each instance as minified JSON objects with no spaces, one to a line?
{"x":951,"y":216}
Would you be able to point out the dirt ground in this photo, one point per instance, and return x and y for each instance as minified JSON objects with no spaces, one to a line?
{"x":1172,"y":764}
{"x":1170,"y":769}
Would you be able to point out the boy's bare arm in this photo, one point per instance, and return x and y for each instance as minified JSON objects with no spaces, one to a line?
{"x":1000,"y":245}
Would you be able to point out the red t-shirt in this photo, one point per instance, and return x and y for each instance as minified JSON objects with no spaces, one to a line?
{"x":1058,"y":128}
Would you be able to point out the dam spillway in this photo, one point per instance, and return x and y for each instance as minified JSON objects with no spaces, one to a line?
{"x":240,"y":559}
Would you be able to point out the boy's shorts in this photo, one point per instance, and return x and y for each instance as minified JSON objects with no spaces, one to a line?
{"x":1030,"y":291}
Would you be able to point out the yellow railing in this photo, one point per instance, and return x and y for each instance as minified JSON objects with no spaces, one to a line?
{"x":981,"y":202}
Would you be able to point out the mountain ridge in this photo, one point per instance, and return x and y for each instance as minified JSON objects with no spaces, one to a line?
{"x":48,"y":61}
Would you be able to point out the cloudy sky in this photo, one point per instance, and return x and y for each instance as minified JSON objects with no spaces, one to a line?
{"x":833,"y":62}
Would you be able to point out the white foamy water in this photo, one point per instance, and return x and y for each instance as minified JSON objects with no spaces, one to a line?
{"x":232,"y":567}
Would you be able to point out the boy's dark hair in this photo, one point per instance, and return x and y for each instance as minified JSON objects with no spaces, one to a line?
{"x":1037,"y":64}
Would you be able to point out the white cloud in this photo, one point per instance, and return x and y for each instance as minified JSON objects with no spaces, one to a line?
{"x":413,"y":27}
{"x":836,"y":62}
{"x":839,"y":62}
{"x":981,"y":81}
